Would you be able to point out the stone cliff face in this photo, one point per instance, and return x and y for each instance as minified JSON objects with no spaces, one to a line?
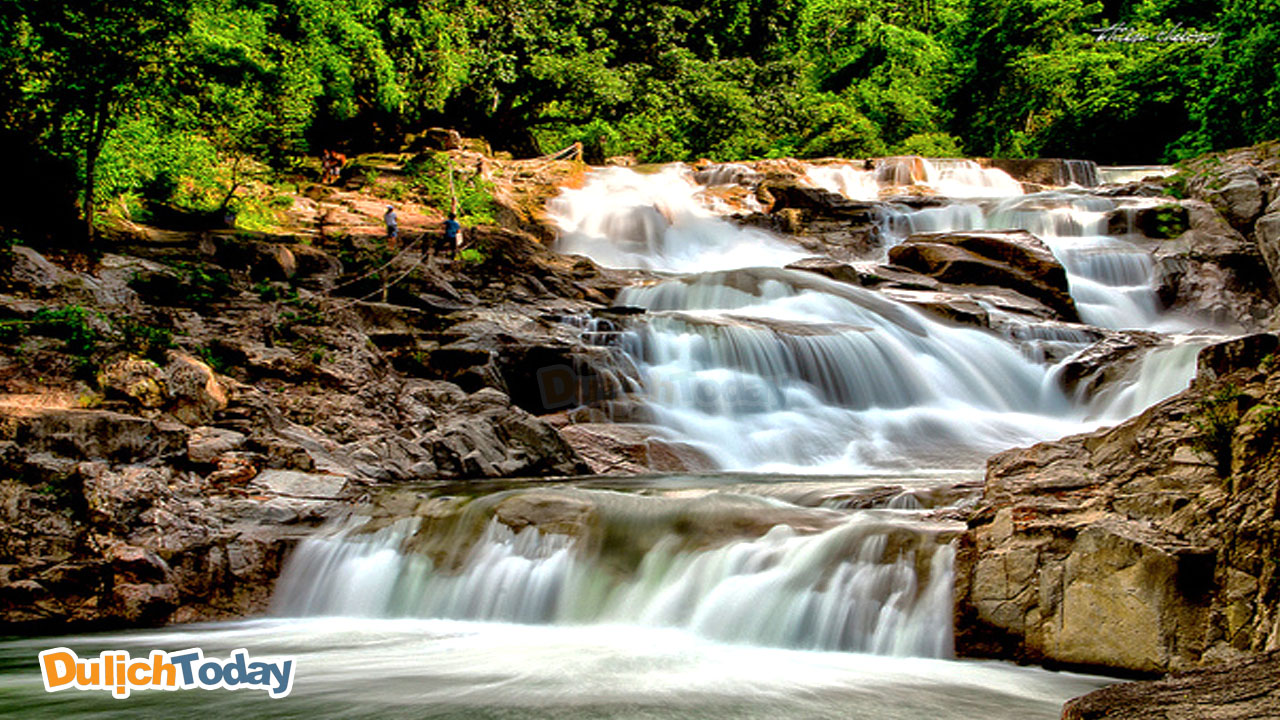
{"x":1148,"y":547}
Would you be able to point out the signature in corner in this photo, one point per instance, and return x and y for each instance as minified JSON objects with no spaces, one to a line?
{"x":1125,"y":33}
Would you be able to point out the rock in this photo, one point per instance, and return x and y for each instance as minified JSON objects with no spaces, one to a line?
{"x":137,"y":379}
{"x":1267,"y":233}
{"x":1015,"y":260}
{"x":206,"y":444}
{"x":791,"y":193}
{"x":35,"y":272}
{"x":195,"y":391}
{"x":1237,"y":192}
{"x":1047,"y":171}
{"x":1126,"y":548}
{"x":144,"y":604}
{"x":1221,"y":359}
{"x":301,"y":485}
{"x":1103,"y":363}
{"x":549,"y":512}
{"x":97,"y":434}
{"x":633,"y":449}
{"x":484,"y":435}
{"x":1214,"y":273}
{"x":1242,"y":690}
{"x":285,"y":264}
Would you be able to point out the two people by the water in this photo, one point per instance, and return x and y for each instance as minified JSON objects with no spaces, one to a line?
{"x":331,"y":164}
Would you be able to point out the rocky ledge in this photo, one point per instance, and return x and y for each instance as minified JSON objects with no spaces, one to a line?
{"x":1151,"y":546}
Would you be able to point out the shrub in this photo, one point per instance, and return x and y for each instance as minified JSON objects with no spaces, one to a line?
{"x":1216,"y":421}
{"x":429,"y":174}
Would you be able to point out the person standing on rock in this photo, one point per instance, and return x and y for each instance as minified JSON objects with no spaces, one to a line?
{"x":449,"y":240}
{"x":393,"y":230}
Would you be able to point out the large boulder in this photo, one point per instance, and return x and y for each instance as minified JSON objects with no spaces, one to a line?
{"x":1214,"y":273}
{"x":1238,"y":192}
{"x":485,"y":435}
{"x":1016,"y":260}
{"x":610,"y":448}
{"x":194,"y":389}
{"x":1267,"y":233}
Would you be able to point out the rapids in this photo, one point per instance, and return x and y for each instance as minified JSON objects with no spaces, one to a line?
{"x":769,"y":369}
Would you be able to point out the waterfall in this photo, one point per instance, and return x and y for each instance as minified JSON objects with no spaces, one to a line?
{"x":777,"y":370}
{"x":622,"y":218}
{"x":774,"y":370}
{"x":873,"y":583}
{"x":948,"y":177}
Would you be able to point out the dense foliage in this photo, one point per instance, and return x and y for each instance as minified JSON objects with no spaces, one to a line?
{"x":165,"y":99}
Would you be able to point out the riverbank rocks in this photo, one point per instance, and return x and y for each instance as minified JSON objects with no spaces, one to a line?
{"x":1150,"y":546}
{"x":1239,"y":192}
{"x":1245,"y":690}
{"x":1214,"y":273}
{"x":94,"y":538}
{"x":1015,"y":260}
{"x":611,"y":449}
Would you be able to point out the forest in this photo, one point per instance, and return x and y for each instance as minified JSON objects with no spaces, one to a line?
{"x":168,"y":100}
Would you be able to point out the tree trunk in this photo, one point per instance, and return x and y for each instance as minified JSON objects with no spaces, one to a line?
{"x":97,"y":135}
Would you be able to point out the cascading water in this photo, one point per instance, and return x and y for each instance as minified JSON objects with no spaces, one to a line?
{"x":773,"y":370}
{"x":947,"y":177}
{"x":657,"y":222}
{"x":872,"y":583}
{"x":770,"y":370}
{"x":1112,"y":280}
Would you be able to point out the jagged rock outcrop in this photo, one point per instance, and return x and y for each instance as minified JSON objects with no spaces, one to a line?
{"x":1151,"y":546}
{"x":104,"y":523}
{"x":1215,"y":272}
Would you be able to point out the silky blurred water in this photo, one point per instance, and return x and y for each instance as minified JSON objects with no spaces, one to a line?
{"x":364,"y":668}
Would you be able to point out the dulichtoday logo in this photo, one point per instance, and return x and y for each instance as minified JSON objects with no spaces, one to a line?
{"x":120,"y":674}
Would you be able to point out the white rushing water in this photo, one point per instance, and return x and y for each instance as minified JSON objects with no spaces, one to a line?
{"x":627,"y":219}
{"x":871,"y":584}
{"x":775,"y":370}
{"x":949,"y":177}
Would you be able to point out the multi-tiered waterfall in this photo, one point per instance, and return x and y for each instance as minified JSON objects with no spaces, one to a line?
{"x":849,"y":426}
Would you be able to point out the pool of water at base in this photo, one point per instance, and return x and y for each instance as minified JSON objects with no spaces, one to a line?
{"x":412,"y":668}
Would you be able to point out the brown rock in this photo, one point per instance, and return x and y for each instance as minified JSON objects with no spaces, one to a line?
{"x":1015,"y":260}
{"x":1245,"y":690}
{"x":1126,"y":547}
{"x":195,"y":391}
{"x":633,"y":449}
{"x":135,"y":378}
